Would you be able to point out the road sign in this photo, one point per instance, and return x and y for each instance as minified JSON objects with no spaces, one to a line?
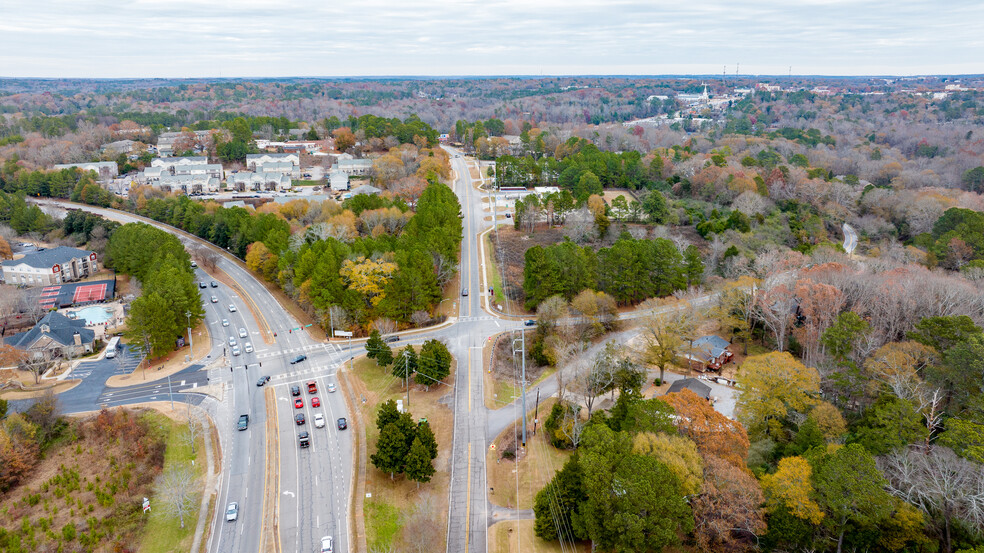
{"x":146,"y":505}
{"x":343,"y":333}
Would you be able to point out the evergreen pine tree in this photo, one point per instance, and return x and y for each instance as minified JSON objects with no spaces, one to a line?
{"x":419,"y":466}
{"x":391,"y":450}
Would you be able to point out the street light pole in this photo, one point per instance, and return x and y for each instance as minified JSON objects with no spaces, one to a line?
{"x":190,"y":339}
{"x":169,"y":392}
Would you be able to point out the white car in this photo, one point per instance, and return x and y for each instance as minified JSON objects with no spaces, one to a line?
{"x":232,"y":341}
{"x":235,"y":350}
{"x":225,"y":322}
{"x":232,"y":511}
{"x":331,"y":386}
{"x":249,"y":347}
{"x":232,"y":308}
{"x":319,"y":420}
{"x":215,"y":299}
{"x":326,"y":544}
{"x":242,"y":332}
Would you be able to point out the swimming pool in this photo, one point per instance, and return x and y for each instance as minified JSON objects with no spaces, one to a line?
{"x":92,"y":315}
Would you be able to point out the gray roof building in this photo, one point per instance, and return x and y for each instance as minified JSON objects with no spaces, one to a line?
{"x":692,"y":384}
{"x":54,"y":333}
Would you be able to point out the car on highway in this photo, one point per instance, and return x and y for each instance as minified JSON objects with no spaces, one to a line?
{"x":299,"y":419}
{"x":215,"y":299}
{"x":312,"y":387}
{"x":225,"y":322}
{"x":232,"y":308}
{"x":342,"y":423}
{"x":232,"y":511}
{"x":242,"y":333}
{"x":304,"y":439}
{"x":202,"y":285}
{"x":214,"y":284}
{"x":315,"y":402}
{"x":390,"y":339}
{"x":236,"y":351}
{"x":529,"y":322}
{"x":326,"y":543}
{"x":331,"y":387}
{"x":263,"y":380}
{"x":298,"y":359}
{"x":194,"y":265}
{"x":249,"y":347}
{"x":298,"y":403}
{"x":319,"y":420}
{"x":295,"y":390}
{"x":464,"y":291}
{"x":232,"y":341}
{"x":243,"y":422}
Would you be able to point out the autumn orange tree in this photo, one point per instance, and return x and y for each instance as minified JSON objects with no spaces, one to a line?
{"x":713,"y":433}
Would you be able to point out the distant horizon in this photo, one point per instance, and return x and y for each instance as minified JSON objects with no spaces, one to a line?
{"x":710,"y":76}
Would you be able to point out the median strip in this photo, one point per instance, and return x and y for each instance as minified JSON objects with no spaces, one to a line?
{"x":270,"y":521}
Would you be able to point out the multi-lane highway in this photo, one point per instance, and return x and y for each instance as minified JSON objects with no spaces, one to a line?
{"x":313,"y":488}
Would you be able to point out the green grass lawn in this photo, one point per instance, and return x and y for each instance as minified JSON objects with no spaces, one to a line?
{"x":307,"y":182}
{"x":163,"y":534}
{"x":382,"y":524}
{"x":496,"y":276}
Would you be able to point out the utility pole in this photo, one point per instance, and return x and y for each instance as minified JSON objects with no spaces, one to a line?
{"x":536,"y":410}
{"x":523,"y":333}
{"x":406,"y":374}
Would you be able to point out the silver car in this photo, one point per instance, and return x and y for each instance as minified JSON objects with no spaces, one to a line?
{"x":232,"y":511}
{"x":242,"y":332}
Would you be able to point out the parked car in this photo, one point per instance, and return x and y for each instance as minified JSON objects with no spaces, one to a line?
{"x":202,"y":285}
{"x":232,"y":511}
{"x":214,"y":284}
{"x":263,"y":380}
{"x":298,"y":359}
{"x":342,"y":423}
{"x":243,"y":422}
{"x":315,"y":402}
{"x":312,"y":387}
{"x":194,"y":265}
{"x":319,"y":420}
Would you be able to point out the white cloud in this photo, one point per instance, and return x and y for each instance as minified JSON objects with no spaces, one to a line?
{"x":193,"y":38}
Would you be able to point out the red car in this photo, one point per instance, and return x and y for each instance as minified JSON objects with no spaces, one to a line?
{"x":315,"y":402}
{"x":298,"y":403}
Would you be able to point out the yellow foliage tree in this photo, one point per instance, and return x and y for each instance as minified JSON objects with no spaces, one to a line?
{"x":678,"y":454}
{"x":368,"y":277}
{"x":790,"y":486}
{"x":771,"y":387}
{"x":829,"y":420}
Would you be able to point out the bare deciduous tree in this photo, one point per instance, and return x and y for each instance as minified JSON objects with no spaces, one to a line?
{"x":938,"y":482}
{"x":176,"y":491}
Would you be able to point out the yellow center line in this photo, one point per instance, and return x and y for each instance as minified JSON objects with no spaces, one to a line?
{"x":469,"y":380}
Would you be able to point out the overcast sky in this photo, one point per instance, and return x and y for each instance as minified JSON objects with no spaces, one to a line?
{"x":250,"y":38}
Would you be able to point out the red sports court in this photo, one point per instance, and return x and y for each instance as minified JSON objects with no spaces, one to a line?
{"x":81,"y":293}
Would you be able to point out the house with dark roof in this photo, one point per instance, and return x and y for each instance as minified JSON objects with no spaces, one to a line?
{"x":692,"y":384}
{"x":50,"y":266}
{"x":712,"y":352}
{"x":55,"y":336}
